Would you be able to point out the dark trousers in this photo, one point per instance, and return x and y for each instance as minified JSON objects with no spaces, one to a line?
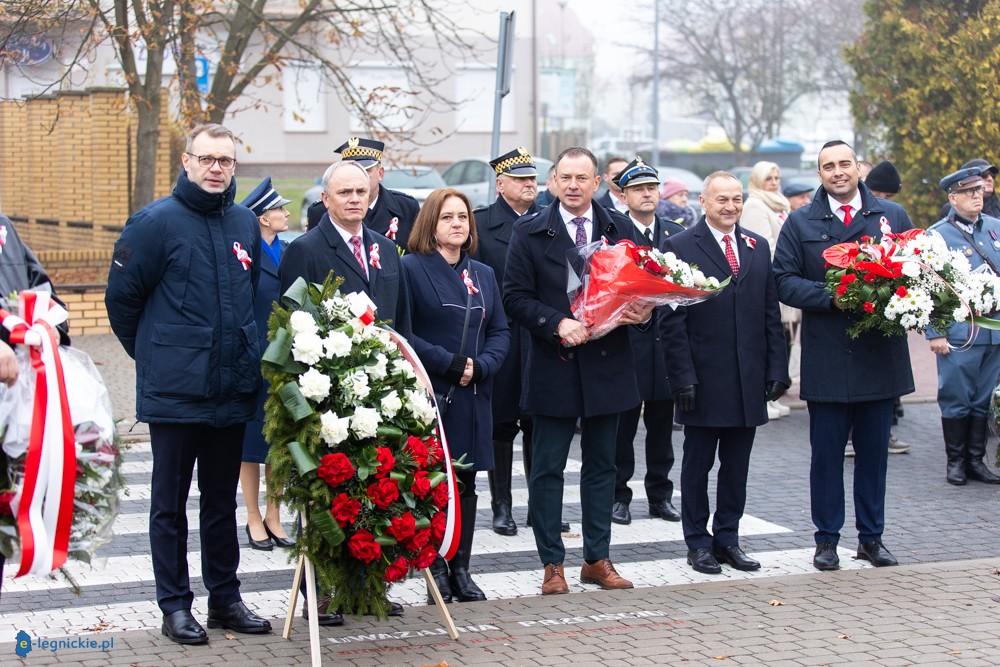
{"x":218,"y":451}
{"x":550,"y":449}
{"x":658,"y":418}
{"x":700,"y":444}
{"x":829,"y":426}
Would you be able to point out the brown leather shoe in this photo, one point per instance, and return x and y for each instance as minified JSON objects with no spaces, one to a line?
{"x":554,"y":582}
{"x":604,"y":575}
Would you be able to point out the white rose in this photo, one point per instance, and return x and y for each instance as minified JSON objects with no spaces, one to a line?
{"x":337,"y":344}
{"x":391,"y":404}
{"x":302,"y":322}
{"x":402,"y":367}
{"x":379,"y":369}
{"x":420,"y":407}
{"x":911,"y":269}
{"x":365,"y":422}
{"x":307,"y":348}
{"x":314,"y":385}
{"x":333,"y":429}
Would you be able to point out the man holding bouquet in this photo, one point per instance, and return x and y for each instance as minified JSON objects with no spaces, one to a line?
{"x":726,"y":359}
{"x":567,"y":377}
{"x":850,"y":384}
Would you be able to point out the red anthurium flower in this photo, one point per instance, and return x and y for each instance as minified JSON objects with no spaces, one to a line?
{"x":383,"y":492}
{"x":335,"y":469}
{"x":345,"y":509}
{"x":869,"y":307}
{"x":397,"y":569}
{"x":870,"y":277}
{"x":386,"y":461}
{"x":901,"y":291}
{"x":402,"y":527}
{"x":363,"y":547}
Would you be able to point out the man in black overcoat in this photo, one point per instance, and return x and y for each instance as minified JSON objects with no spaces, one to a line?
{"x":517,"y":186}
{"x":726,"y":359}
{"x":640,"y":184}
{"x":569,"y":378}
{"x":849,"y":384}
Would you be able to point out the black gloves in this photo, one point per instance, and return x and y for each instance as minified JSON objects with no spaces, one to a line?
{"x":775,"y":389}
{"x":684,"y":398}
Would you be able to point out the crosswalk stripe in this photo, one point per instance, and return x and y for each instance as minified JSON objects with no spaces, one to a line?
{"x":272,"y":604}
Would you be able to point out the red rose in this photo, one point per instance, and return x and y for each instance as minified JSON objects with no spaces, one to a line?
{"x":397,"y":569}
{"x":420,"y":539}
{"x":335,"y":469}
{"x":418,"y":450}
{"x":438,"y":524}
{"x":440,"y":495}
{"x":386,"y":461}
{"x":421,"y":485}
{"x":345,"y":509}
{"x":848,"y":278}
{"x":652,"y":266}
{"x":426,"y":556}
{"x":363,"y":547}
{"x":841,"y":290}
{"x":901,"y":291}
{"x":435,"y":453}
{"x":402,"y":527}
{"x":870,"y":277}
{"x":869,"y":307}
{"x":383,"y":492}
{"x":6,"y":497}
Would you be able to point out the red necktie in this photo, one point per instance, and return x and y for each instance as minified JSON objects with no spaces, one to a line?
{"x":734,"y":266}
{"x":356,"y":243}
{"x":846,"y":208}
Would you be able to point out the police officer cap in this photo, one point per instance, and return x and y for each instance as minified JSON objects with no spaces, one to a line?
{"x":636,"y":172}
{"x":263,"y":198}
{"x":982,"y":164}
{"x":517,"y":163}
{"x":962,"y":179}
{"x":366,"y":152}
{"x":796,"y":188}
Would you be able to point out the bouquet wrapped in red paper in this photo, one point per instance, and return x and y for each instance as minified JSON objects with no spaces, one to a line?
{"x":613,"y":277}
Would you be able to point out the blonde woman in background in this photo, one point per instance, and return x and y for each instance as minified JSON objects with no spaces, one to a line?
{"x":764,"y":213}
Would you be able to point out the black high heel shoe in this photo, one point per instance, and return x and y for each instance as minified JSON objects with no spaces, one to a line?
{"x":281,"y":542}
{"x":260,"y":545}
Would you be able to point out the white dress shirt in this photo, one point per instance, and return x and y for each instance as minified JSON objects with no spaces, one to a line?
{"x":571,"y":226}
{"x":855,"y":205}
{"x":722,"y":244}
{"x":346,"y":235}
{"x":620,"y":206}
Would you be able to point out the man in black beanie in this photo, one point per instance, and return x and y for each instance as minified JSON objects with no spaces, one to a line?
{"x":883,"y":180}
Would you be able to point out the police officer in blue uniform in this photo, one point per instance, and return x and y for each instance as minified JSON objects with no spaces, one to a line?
{"x":967,"y":372}
{"x":517,"y":187}
{"x":848,"y":384}
{"x":640,"y":184}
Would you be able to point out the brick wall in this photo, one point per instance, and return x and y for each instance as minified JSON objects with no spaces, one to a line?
{"x":87,"y":314}
{"x":69,"y":165}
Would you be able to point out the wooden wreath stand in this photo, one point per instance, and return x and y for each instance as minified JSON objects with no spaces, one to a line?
{"x":306,"y":565}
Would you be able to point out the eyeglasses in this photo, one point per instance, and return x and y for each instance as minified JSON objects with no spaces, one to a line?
{"x":978,"y":190}
{"x":206,"y":161}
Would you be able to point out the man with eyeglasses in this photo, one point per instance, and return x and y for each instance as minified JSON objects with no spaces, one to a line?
{"x":180,"y":299}
{"x":967,"y":372}
{"x":991,"y":202}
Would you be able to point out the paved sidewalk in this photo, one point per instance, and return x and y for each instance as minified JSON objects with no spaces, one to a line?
{"x":941,"y":613}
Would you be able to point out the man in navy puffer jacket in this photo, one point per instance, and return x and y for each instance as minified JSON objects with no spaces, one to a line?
{"x":180,"y":300}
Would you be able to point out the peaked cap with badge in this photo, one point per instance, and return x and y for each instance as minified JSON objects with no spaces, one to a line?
{"x":517,"y":163}
{"x":636,"y":172}
{"x":366,"y":152}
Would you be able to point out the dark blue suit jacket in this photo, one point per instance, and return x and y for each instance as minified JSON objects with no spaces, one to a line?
{"x":591,"y":379}
{"x":732,"y":345}
{"x":320,"y":250}
{"x":836,"y":368}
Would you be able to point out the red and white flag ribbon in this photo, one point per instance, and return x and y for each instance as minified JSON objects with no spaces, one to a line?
{"x":3,"y":237}
{"x":242,"y":255}
{"x":43,"y":504}
{"x":453,"y":523}
{"x":469,"y":285}
{"x":362,"y":307}
{"x":393,"y":229}
{"x":750,"y":241}
{"x":374,"y":258}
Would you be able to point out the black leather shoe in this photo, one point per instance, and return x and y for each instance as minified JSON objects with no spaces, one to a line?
{"x":259,"y":545}
{"x":876,"y":554}
{"x":564,"y":527}
{"x":826,"y":557}
{"x":181,"y":627}
{"x":238,"y":618}
{"x":439,"y":570}
{"x":621,"y":514}
{"x":324,"y":618}
{"x":503,"y":520}
{"x":736,"y":557}
{"x":282,"y":542}
{"x":664,"y":510}
{"x":702,"y":560}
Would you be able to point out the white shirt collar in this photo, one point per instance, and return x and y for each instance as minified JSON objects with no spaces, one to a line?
{"x":568,"y":217}
{"x":374,"y":201}
{"x":855,"y":205}
{"x":346,"y":235}
{"x":718,"y":235}
{"x":641,"y":227}
{"x":620,"y":206}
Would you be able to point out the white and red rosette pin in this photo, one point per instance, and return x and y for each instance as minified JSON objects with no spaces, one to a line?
{"x":373,"y":257}
{"x":393,"y":229}
{"x":749,"y":240}
{"x":469,"y":285}
{"x":242,"y":255}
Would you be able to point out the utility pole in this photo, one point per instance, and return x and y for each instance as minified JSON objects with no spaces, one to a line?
{"x":505,"y":51}
{"x":656,"y":83}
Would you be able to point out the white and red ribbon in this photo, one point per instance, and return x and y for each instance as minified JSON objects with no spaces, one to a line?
{"x":469,"y":285}
{"x":453,"y":523}
{"x":242,"y":255}
{"x":749,"y":240}
{"x":393,"y":229}
{"x":3,"y":237}
{"x":884,"y":226}
{"x":43,"y":504}
{"x":373,"y":257}
{"x":362,"y":307}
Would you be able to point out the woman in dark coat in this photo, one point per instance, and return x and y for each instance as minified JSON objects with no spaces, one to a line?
{"x":443,"y":284}
{"x":269,"y":207}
